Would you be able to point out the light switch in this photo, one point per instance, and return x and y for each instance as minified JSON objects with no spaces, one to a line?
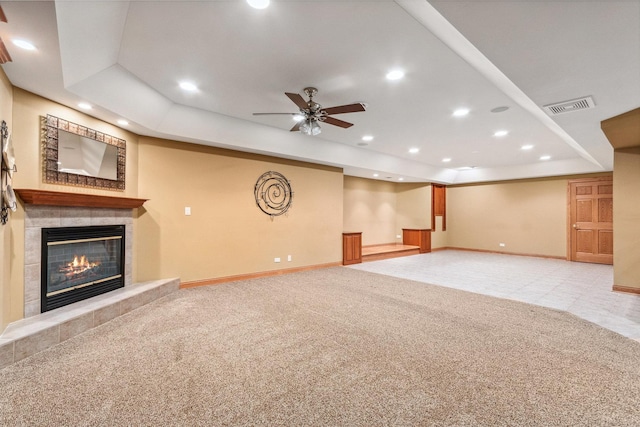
{"x":187,"y":210}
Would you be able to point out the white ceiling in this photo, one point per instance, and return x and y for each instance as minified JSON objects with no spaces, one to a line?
{"x":126,"y":58}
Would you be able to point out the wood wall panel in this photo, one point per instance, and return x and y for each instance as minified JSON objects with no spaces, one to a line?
{"x":438,"y":200}
{"x":605,"y":189}
{"x":605,"y":210}
{"x":583,"y":190}
{"x":584,"y":211}
{"x":417,"y":237}
{"x":605,"y":242}
{"x":351,"y":248}
{"x":439,"y":205}
{"x":584,"y":241}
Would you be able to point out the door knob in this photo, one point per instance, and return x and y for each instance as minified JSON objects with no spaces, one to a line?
{"x":575,"y":226}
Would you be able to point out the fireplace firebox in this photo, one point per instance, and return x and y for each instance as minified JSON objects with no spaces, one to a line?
{"x":80,"y":263}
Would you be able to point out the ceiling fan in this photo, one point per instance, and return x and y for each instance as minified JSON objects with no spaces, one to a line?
{"x":311,"y":113}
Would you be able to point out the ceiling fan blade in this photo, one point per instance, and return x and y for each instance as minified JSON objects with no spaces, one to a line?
{"x":296,"y":127}
{"x":298,"y":100}
{"x":341,"y":109}
{"x":336,"y":122}
{"x":271,"y":114}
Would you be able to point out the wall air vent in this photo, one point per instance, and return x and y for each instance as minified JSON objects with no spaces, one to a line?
{"x":569,"y":106}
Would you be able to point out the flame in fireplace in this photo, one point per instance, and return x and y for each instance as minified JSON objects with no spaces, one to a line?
{"x":79,"y":265}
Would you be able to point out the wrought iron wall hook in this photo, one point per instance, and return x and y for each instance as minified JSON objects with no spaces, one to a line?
{"x":4,"y":215}
{"x":13,"y":169}
{"x":7,"y":197}
{"x":4,"y":131}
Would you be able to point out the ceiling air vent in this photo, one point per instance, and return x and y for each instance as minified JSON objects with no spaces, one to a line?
{"x":569,"y":106}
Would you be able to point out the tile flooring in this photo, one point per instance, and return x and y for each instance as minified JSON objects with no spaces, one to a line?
{"x":579,"y":288}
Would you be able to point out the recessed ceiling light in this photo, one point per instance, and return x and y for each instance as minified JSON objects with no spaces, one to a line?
{"x":501,"y":133}
{"x":188,"y":86}
{"x":414,"y":150}
{"x":466,"y":168}
{"x":545,"y":157}
{"x":258,"y":4}
{"x":395,"y":75}
{"x":376,"y":175}
{"x":526,"y":147}
{"x":84,"y":106}
{"x":367,"y":138}
{"x":23,"y":44}
{"x":500,"y":109}
{"x":461,"y":112}
{"x":446,"y":159}
{"x":400,"y":179}
{"x":123,"y":122}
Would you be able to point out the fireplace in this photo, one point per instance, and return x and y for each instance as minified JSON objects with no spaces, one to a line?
{"x":80,"y":263}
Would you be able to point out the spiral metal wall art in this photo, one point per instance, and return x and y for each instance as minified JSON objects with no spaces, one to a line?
{"x":273,"y":193}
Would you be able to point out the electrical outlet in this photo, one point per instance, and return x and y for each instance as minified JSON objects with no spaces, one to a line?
{"x":502,"y":245}
{"x":276,"y":260}
{"x":288,"y":257}
{"x":398,"y":236}
{"x":187,"y":210}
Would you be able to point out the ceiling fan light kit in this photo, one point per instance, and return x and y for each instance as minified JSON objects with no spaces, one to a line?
{"x":310,"y":127}
{"x":311,"y":113}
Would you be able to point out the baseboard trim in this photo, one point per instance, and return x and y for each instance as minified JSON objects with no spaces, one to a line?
{"x":499,"y":252}
{"x":626,"y":289}
{"x":226,"y":279}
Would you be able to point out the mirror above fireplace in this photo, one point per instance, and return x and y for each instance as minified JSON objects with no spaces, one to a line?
{"x":76,"y":155}
{"x":85,"y":156}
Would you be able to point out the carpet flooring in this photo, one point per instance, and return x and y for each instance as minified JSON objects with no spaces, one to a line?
{"x":330,"y":347}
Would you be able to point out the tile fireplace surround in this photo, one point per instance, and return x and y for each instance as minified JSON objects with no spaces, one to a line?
{"x":39,"y":217}
{"x":37,"y":331}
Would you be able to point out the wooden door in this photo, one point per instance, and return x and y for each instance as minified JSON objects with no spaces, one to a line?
{"x":591,"y":220}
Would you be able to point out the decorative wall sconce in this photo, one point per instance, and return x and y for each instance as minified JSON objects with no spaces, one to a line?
{"x":8,"y":167}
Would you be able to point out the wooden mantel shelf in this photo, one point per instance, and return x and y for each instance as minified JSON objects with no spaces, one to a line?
{"x":57,"y":198}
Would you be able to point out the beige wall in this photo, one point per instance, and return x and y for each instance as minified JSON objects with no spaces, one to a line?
{"x":27,"y":110}
{"x":626,"y":218}
{"x":6,"y":250}
{"x":370,"y":207}
{"x":227,"y":234}
{"x":380,"y":209}
{"x":439,"y":237}
{"x":413,"y":206}
{"x":529,"y":217}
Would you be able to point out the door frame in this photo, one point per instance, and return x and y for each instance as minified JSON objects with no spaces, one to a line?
{"x":569,"y":223}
